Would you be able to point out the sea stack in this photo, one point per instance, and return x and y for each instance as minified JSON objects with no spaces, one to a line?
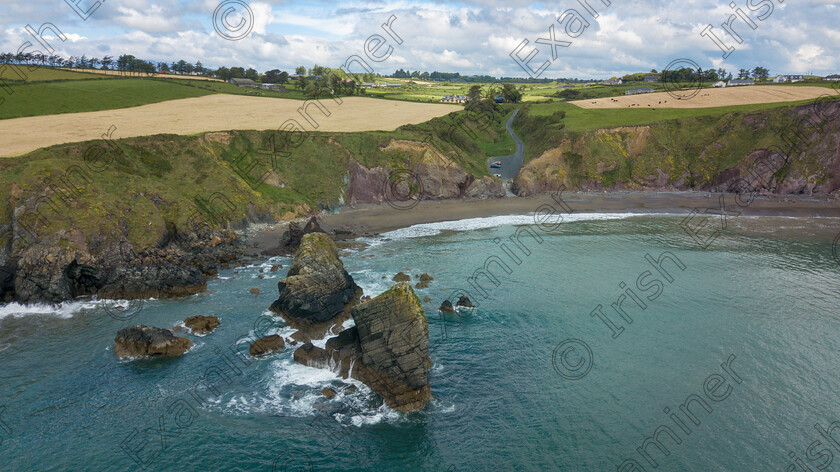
{"x":388,"y":349}
{"x":318,"y":293}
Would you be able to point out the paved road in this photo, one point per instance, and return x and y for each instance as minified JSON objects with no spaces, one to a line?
{"x":510,"y":164}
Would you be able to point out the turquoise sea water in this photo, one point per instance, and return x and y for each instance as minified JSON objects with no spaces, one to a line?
{"x":506,"y":397}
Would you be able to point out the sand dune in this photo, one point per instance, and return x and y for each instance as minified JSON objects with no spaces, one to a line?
{"x":213,"y":113}
{"x":707,"y":98}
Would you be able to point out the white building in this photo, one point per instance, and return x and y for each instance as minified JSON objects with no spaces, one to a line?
{"x":719,"y":84}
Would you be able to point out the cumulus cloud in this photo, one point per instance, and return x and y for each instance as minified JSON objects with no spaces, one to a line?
{"x":469,"y":36}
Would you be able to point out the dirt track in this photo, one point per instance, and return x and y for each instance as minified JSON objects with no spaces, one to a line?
{"x":714,"y":97}
{"x":212,"y":113}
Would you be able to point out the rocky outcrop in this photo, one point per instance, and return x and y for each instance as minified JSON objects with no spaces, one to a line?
{"x":388,"y":349}
{"x":793,"y":151}
{"x":447,"y":307}
{"x":202,"y":324}
{"x":465,"y":302}
{"x":401,"y":277}
{"x":318,"y":293}
{"x":70,"y":264}
{"x":431,"y":179}
{"x":267,"y":345}
{"x":141,"y":341}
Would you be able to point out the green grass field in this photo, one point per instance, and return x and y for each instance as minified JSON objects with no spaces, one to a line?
{"x":50,"y":98}
{"x":30,"y":74}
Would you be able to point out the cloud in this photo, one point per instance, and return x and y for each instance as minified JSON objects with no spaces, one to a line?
{"x":469,"y":36}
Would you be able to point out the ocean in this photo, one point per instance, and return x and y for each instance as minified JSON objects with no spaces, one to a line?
{"x":607,"y":342}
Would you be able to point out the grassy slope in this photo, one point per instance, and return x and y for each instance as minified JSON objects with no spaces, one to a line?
{"x":153,"y":182}
{"x":702,"y":142}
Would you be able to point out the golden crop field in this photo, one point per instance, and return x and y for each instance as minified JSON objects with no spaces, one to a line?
{"x":709,"y":97}
{"x":219,"y":112}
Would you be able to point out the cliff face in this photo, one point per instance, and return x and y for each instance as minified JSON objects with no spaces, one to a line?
{"x":428,"y":175}
{"x":784,"y":151}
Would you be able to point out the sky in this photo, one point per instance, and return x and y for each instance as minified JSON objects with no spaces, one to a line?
{"x":470,"y":37}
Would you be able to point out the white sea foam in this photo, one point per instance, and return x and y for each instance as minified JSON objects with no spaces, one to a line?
{"x":63,"y":310}
{"x":469,"y":224}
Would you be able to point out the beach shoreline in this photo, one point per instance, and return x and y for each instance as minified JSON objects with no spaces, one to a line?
{"x":370,"y":219}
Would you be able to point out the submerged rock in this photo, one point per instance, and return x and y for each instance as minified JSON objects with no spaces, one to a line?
{"x":424,"y":277}
{"x":388,"y":349}
{"x":267,"y":345}
{"x":422,"y":285}
{"x":328,"y":392}
{"x":318,"y":293}
{"x":202,"y":324}
{"x":139,"y":341}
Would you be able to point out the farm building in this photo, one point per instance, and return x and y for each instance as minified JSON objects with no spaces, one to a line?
{"x":613,"y":82}
{"x":651,"y":78}
{"x":636,"y":91}
{"x":780,"y":79}
{"x":719,"y":84}
{"x":737,"y":82}
{"x":273,"y":87}
{"x":834,"y":77}
{"x":243,"y":82}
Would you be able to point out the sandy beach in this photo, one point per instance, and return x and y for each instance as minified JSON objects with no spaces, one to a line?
{"x":372,"y":218}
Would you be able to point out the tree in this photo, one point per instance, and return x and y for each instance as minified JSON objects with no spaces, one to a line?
{"x":300,"y":70}
{"x":743,"y":74}
{"x":283,"y":77}
{"x":510,"y":94}
{"x":199,"y":67}
{"x":761,"y":73}
{"x":252,"y":74}
{"x":272,"y":76}
{"x":474,"y":94}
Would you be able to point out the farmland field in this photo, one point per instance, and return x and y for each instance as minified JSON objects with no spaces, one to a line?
{"x":73,"y":96}
{"x":34,"y":73}
{"x":708,"y":98}
{"x":213,"y":113}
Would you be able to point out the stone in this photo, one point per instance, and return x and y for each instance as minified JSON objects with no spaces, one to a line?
{"x":427,"y":299}
{"x":275,"y":268}
{"x":350,"y":388}
{"x":424,"y":277}
{"x":140,"y":341}
{"x":447,"y":307}
{"x":202,"y":324}
{"x":422,"y":285}
{"x":255,"y":291}
{"x":387,"y":350}
{"x":317,"y":293}
{"x":464,"y":301}
{"x":267,"y":345}
{"x":328,"y":392}
{"x":402,"y":277}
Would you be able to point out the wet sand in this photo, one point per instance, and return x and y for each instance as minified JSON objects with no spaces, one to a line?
{"x":372,"y":218}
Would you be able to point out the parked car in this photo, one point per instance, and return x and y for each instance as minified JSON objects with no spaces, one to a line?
{"x":496,"y":165}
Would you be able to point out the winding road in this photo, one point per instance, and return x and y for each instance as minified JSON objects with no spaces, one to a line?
{"x":510,"y":164}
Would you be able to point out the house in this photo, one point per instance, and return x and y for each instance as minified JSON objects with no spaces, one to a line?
{"x":613,"y":82}
{"x":393,"y":85}
{"x":719,"y":84}
{"x":834,"y":77}
{"x":243,"y":82}
{"x":636,"y":91}
{"x":454,"y":99}
{"x":651,"y":78}
{"x":737,"y":82}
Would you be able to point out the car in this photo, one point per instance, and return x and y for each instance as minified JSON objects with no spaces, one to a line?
{"x":496,"y":165}
{"x":497,"y":175}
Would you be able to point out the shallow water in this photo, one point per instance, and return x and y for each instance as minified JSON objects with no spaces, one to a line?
{"x":505,"y":381}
